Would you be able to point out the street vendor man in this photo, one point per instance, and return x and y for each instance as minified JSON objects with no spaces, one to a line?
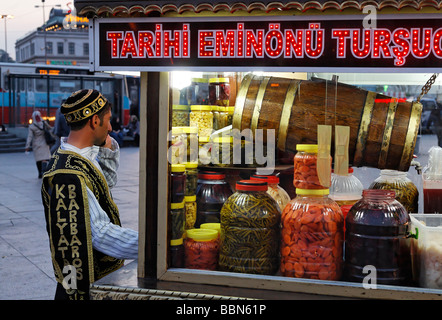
{"x":86,"y":238}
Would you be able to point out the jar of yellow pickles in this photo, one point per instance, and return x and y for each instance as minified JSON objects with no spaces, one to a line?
{"x":180,"y":115}
{"x":201,"y":116}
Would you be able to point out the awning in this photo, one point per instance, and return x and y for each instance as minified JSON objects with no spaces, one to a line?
{"x":121,"y":8}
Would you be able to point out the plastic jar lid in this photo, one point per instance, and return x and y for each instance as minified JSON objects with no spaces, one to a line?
{"x":189,"y":129}
{"x":178,"y":167}
{"x":203,"y":139}
{"x":313,"y":148}
{"x":199,"y":80}
{"x":269,"y":179}
{"x":230,"y":109}
{"x":312,"y":192}
{"x":251,"y":185}
{"x":176,"y":242}
{"x":214,"y":108}
{"x":212,"y":226}
{"x":177,"y":130}
{"x":180,"y":107}
{"x":201,"y":108}
{"x":189,"y":198}
{"x":202,"y":234}
{"x":211,"y":175}
{"x":218,"y":80}
{"x":191,"y":165}
{"x":177,"y":205}
{"x":223,"y":139}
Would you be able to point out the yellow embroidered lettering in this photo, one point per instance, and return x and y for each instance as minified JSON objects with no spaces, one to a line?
{"x":62,"y":249}
{"x":72,"y":193}
{"x":75,"y":253}
{"x":60,"y":204}
{"x":73,"y":204}
{"x":74,"y":228}
{"x":75,"y":240}
{"x":73,"y":216}
{"x":61,"y":226}
{"x":62,"y":240}
{"x":59,"y":219}
{"x":58,"y":190}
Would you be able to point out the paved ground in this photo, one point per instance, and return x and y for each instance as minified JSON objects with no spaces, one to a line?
{"x":25,"y":262}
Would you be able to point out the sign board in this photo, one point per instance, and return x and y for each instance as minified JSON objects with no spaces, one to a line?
{"x":398,"y":43}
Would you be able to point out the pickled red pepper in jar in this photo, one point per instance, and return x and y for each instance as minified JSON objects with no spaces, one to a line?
{"x":219,"y":91}
{"x":312,"y":236}
{"x":305,"y":175}
{"x":201,"y":249}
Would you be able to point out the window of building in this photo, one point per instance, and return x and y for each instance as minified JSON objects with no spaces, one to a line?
{"x":71,"y":48}
{"x":32,"y":49}
{"x":85,"y":48}
{"x":49,"y":48}
{"x":60,"y":48}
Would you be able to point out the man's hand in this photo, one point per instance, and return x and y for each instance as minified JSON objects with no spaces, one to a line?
{"x":108,"y":143}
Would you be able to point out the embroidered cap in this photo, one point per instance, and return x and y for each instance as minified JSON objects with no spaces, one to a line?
{"x":82,"y":104}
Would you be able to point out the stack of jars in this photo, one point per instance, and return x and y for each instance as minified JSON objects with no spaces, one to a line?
{"x":190,"y":194}
{"x":312,"y":225}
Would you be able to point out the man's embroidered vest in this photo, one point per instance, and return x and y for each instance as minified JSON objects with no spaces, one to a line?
{"x":76,"y":264}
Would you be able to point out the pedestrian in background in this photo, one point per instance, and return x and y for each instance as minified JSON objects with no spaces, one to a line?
{"x":36,"y":140}
{"x":61,"y":128}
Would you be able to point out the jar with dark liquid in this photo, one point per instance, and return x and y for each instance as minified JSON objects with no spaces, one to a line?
{"x":376,"y":235}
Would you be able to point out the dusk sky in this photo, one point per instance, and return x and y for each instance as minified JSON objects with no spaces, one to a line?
{"x":26,"y":19}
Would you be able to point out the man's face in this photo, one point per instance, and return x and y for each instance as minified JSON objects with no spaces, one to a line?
{"x":103,"y":129}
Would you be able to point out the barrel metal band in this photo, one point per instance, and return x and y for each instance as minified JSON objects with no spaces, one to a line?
{"x":363,"y":128}
{"x":258,"y":103}
{"x":240,"y":101}
{"x":387,"y":133}
{"x":410,"y":138}
{"x":286,"y":112}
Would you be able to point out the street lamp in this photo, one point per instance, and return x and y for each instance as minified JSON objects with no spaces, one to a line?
{"x":6,"y":16}
{"x":44,"y":23}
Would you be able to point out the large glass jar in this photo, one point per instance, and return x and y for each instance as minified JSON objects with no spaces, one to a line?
{"x":305,"y":175}
{"x":211,"y":193}
{"x":312,"y":236}
{"x":376,"y":236}
{"x":250,"y":230}
{"x":198,"y":91}
{"x":274,"y":189}
{"x":219,"y":91}
{"x":201,"y":249}
{"x":180,"y":115}
{"x":405,"y":190}
{"x":178,"y":182}
{"x":201,"y":116}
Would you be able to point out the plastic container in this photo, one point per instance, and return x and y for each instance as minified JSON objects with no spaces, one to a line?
{"x":191,"y":178}
{"x":230,"y":111}
{"x":201,"y":116}
{"x":190,"y":212}
{"x":222,"y":151}
{"x":211,"y":193}
{"x":426,"y":250}
{"x":190,"y":137}
{"x":177,"y":149}
{"x":201,"y":249}
{"x":176,"y":253}
{"x":215,"y":117}
{"x":222,"y":117}
{"x":198,"y":91}
{"x":305,"y":175}
{"x":432,"y":182}
{"x":177,"y":220}
{"x":178,"y":182}
{"x":250,"y":230}
{"x":376,"y":236}
{"x":204,"y":151}
{"x":312,"y":235}
{"x":406,"y":192}
{"x":212,"y":226}
{"x":274,"y":189}
{"x":180,"y":115}
{"x":219,"y":91}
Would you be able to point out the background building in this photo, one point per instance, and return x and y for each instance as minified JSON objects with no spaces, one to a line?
{"x":63,"y":40}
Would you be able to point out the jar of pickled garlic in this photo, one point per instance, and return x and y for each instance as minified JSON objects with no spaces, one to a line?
{"x":219,"y":91}
{"x":177,"y":149}
{"x":204,"y":151}
{"x":222,"y":151}
{"x":180,"y":115}
{"x":178,"y":182}
{"x":305,"y":175}
{"x":201,"y":249}
{"x":250,"y":230}
{"x":405,"y":190}
{"x":312,"y":236}
{"x":201,"y":116}
{"x":177,"y":220}
{"x":198,"y":91}
{"x":274,"y":189}
{"x":190,"y":211}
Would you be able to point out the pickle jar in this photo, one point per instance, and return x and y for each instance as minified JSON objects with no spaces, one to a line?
{"x":198,"y":91}
{"x":190,"y":134}
{"x":405,"y":190}
{"x":213,"y":226}
{"x":204,"y":151}
{"x":222,"y":117}
{"x":230,"y":111}
{"x":191,"y":178}
{"x":177,"y":149}
{"x":176,"y":253}
{"x":377,"y":235}
{"x":177,"y":220}
{"x":222,"y":151}
{"x":211,"y":193}
{"x":215,"y":117}
{"x":305,"y":175}
{"x":201,"y":249}
{"x":178,"y":182}
{"x":201,"y":116}
{"x":180,"y":115}
{"x":250,"y":230}
{"x":274,"y":189}
{"x":312,"y":236}
{"x":219,"y":91}
{"x":190,"y":210}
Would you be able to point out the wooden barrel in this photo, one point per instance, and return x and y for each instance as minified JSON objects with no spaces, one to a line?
{"x":383,"y":130}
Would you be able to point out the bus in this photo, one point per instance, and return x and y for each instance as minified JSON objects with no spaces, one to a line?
{"x":25,"y":88}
